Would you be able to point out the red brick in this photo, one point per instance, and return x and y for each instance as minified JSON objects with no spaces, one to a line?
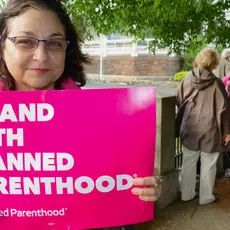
{"x":136,"y":66}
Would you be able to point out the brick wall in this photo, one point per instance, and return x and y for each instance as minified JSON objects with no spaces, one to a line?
{"x":136,"y":66}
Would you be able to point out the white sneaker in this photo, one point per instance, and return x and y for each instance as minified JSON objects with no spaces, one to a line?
{"x":209,"y":201}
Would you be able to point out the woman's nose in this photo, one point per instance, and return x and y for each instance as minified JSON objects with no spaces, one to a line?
{"x":41,"y":53}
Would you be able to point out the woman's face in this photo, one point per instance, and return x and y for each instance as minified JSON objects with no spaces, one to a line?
{"x":37,"y":68}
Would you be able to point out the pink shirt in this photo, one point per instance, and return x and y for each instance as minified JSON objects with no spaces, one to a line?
{"x":70,"y":84}
{"x":226,"y":80}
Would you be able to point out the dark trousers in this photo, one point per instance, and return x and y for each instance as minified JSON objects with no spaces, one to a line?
{"x":226,"y":160}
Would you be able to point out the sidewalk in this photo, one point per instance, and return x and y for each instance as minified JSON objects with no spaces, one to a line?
{"x":154,"y":81}
{"x":192,"y":216}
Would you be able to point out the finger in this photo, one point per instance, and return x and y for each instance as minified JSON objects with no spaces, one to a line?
{"x":148,"y":181}
{"x":148,"y":198}
{"x":144,"y":191}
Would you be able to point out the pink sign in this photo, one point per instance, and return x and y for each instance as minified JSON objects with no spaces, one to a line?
{"x":68,"y":158}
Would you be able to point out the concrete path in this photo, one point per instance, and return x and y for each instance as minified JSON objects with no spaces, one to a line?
{"x":192,"y":216}
{"x":96,"y":84}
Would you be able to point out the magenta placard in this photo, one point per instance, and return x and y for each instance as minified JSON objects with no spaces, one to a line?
{"x":68,"y":158}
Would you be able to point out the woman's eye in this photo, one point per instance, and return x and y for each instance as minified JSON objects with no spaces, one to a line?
{"x":26,"y":42}
{"x":54,"y":43}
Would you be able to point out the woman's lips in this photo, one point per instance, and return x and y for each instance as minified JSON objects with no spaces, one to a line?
{"x":38,"y":70}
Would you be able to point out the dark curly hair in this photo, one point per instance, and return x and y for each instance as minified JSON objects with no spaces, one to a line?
{"x":75,"y":59}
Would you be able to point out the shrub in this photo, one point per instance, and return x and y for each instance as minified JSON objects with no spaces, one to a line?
{"x":193,"y":47}
{"x":180,"y":75}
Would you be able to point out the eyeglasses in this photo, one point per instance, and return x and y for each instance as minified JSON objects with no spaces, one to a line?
{"x":25,"y":43}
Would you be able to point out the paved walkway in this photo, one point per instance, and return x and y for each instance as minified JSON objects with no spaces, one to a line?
{"x":161,"y":87}
{"x":192,"y":216}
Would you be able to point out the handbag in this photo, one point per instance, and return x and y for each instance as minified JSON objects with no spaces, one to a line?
{"x":180,"y":112}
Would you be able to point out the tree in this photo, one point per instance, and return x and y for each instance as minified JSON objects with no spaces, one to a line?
{"x":2,"y":4}
{"x":171,"y":23}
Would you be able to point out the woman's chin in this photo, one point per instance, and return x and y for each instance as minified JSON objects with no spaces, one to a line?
{"x":40,"y":86}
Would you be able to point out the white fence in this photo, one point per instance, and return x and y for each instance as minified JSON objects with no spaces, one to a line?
{"x":124,"y":47}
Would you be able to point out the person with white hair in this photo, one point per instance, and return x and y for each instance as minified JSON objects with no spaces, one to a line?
{"x":223,"y":68}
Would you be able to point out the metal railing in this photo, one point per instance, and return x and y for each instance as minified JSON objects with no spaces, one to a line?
{"x":178,"y":155}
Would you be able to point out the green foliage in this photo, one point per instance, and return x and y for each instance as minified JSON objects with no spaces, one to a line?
{"x":220,"y":49}
{"x":2,"y":3}
{"x":180,"y":75}
{"x":193,"y":47}
{"x":178,"y":145}
{"x":172,"y":24}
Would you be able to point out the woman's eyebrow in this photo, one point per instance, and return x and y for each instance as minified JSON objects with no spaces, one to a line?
{"x":56,"y":35}
{"x":30,"y":33}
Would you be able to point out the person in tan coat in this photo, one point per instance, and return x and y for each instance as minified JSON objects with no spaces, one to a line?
{"x":205,"y":126}
{"x":223,"y":68}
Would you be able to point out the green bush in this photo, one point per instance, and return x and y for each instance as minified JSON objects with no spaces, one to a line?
{"x":193,"y":47}
{"x":180,"y":75}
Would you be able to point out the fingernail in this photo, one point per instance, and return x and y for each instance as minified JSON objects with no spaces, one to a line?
{"x":135,"y":191}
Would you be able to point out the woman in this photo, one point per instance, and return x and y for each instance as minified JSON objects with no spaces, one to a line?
{"x":205,"y":126}
{"x":226,"y":81}
{"x":41,"y":51}
{"x":224,"y":66}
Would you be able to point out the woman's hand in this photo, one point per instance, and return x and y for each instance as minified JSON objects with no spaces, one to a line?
{"x":152,"y":190}
{"x":226,"y":139}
